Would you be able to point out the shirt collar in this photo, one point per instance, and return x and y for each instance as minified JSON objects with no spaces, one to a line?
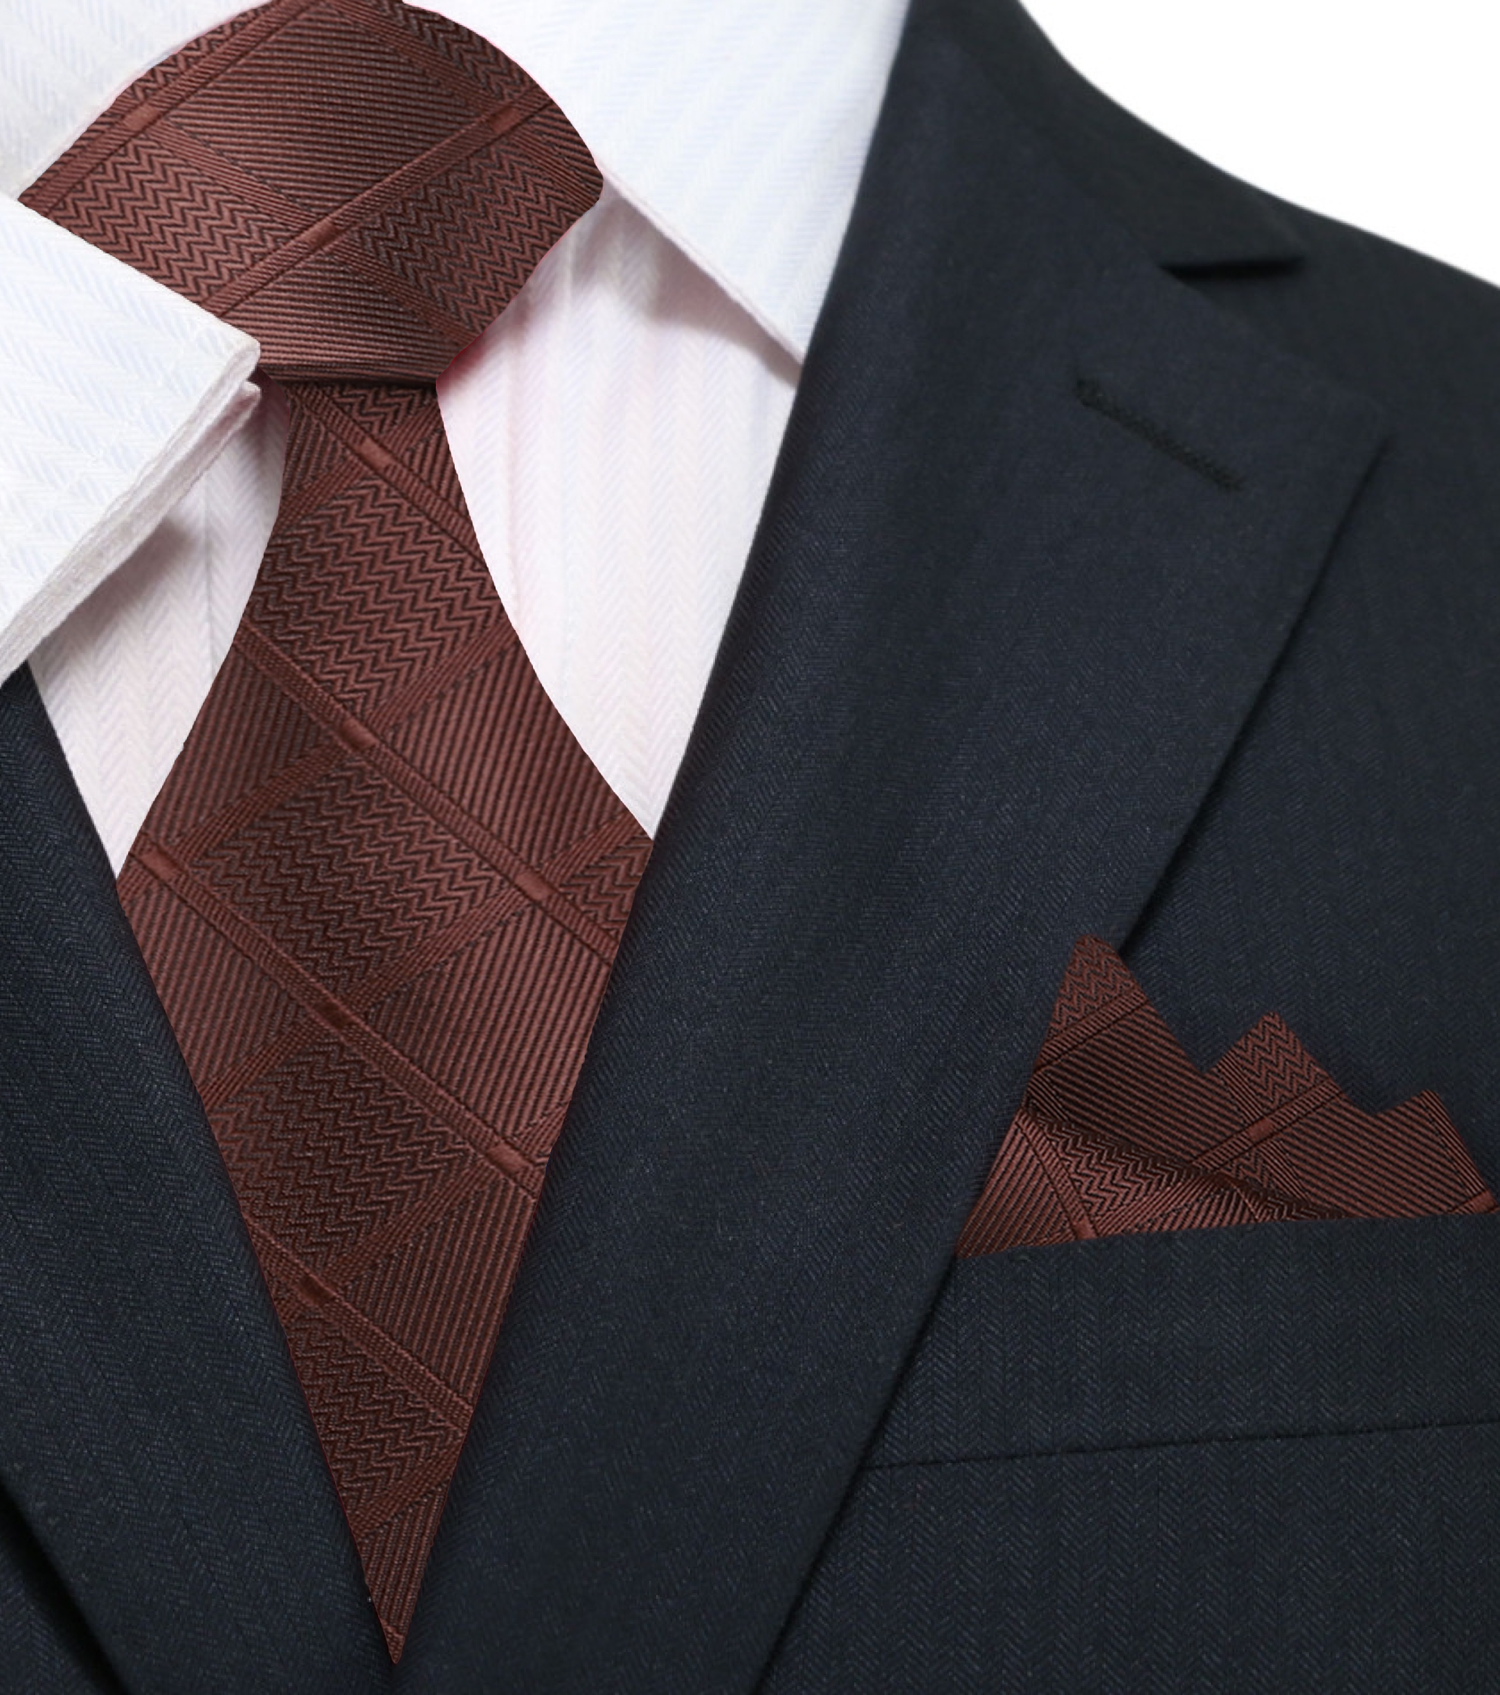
{"x":738,"y":128}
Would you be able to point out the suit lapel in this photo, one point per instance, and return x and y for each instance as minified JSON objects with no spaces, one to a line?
{"x":1189,"y":216}
{"x":1043,"y":522}
{"x":151,"y":1429}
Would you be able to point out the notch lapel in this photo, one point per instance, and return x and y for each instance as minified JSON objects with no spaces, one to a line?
{"x":1043,"y":522}
{"x":151,"y":1428}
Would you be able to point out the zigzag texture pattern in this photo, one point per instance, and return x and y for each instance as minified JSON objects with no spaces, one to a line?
{"x":318,"y":154}
{"x":1118,"y":1131}
{"x":382,"y":888}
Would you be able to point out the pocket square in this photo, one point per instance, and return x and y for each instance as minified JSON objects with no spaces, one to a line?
{"x":1118,"y":1131}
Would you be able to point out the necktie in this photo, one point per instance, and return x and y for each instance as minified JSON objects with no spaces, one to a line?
{"x":382,"y":888}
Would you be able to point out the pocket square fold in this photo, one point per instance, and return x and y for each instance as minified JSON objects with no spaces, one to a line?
{"x":1118,"y":1131}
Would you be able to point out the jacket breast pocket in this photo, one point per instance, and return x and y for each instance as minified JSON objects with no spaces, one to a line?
{"x":1254,"y":1459}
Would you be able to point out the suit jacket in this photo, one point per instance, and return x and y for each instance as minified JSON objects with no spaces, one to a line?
{"x":1130,"y":569}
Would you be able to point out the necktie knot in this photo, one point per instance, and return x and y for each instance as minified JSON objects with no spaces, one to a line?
{"x":360,"y":186}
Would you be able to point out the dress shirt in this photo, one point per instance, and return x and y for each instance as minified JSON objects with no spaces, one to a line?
{"x":614,"y":431}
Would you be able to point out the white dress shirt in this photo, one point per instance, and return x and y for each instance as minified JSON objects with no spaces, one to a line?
{"x":614,"y":430}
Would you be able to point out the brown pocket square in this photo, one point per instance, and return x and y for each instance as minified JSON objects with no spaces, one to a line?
{"x":1118,"y":1131}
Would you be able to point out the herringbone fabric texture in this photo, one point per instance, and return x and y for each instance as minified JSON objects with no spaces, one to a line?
{"x":382,"y":888}
{"x":1118,"y":1131}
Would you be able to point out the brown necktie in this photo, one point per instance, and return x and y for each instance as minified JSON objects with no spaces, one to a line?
{"x":383,"y":886}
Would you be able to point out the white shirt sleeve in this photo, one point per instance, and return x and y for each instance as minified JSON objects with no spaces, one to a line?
{"x":116,"y":395}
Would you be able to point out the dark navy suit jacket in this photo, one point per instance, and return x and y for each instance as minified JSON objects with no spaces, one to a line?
{"x":1132,"y":567}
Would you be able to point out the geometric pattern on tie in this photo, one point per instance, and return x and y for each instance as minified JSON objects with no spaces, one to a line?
{"x":382,"y":888}
{"x":1118,"y":1131}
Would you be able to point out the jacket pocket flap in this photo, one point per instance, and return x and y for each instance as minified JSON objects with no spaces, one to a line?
{"x":1266,"y":1330}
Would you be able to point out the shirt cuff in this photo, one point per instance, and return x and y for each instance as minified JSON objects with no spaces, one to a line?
{"x":117,"y":396}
